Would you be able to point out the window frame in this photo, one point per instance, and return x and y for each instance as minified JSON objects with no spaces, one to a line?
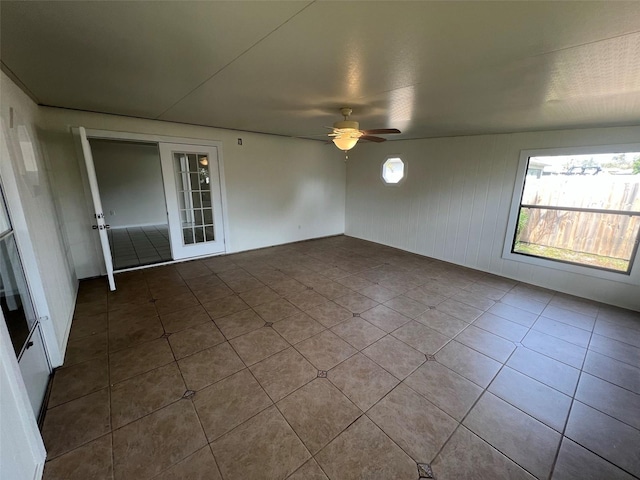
{"x":404,"y":170}
{"x":631,"y":276}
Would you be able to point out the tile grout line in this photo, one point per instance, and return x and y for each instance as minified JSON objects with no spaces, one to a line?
{"x":573,"y":400}
{"x":190,"y":399}
{"x":484,"y":391}
{"x":429,"y":401}
{"x":82,"y":396}
{"x":588,"y":449}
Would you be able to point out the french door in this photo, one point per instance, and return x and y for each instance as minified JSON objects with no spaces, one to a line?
{"x":191,"y":176}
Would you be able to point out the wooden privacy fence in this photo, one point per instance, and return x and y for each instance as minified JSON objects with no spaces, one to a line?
{"x":606,"y":234}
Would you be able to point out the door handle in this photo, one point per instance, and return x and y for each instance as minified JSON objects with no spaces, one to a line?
{"x":101,"y":227}
{"x":29,"y":345}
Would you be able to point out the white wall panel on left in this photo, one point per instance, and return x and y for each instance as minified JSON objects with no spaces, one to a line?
{"x":24,"y":166}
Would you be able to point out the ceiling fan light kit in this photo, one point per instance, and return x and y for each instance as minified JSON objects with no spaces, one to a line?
{"x":345,"y":143}
{"x":346,"y":133}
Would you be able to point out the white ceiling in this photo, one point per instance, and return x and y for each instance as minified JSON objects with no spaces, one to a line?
{"x":285,"y":67}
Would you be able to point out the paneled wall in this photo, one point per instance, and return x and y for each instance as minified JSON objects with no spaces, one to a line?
{"x":454,"y":203}
{"x":25,"y":155}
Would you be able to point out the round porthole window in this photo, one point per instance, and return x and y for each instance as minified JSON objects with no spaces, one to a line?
{"x":393,"y":170}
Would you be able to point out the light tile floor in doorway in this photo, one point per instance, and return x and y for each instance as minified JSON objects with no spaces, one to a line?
{"x":342,"y":359}
{"x":135,"y":246}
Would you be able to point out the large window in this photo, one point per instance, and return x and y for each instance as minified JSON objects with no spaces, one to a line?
{"x":578,"y":207}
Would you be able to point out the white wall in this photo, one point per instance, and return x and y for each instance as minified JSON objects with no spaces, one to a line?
{"x":40,"y":234}
{"x":455,"y":202}
{"x":279,"y":189}
{"x":130,"y":182}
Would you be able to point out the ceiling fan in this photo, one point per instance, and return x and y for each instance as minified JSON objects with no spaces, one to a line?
{"x":346,"y":133}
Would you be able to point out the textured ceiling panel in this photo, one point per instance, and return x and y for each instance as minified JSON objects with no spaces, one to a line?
{"x":132,"y":58}
{"x":428,"y":68}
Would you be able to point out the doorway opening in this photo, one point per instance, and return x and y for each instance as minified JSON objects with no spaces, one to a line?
{"x":129,"y":177}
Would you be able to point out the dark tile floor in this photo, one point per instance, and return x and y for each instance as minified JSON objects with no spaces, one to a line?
{"x":339,"y":358}
{"x":135,"y":246}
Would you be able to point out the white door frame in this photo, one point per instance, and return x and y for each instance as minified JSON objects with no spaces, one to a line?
{"x":28,"y":255}
{"x":157,"y":139}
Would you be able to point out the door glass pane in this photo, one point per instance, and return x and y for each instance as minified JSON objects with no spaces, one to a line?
{"x":187,"y":235}
{"x":14,"y":296}
{"x":195,"y":182}
{"x":208,"y":216}
{"x":197,"y":216}
{"x":193,"y":163}
{"x":197,"y":203}
{"x":194,"y":193}
{"x":209,"y":232}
